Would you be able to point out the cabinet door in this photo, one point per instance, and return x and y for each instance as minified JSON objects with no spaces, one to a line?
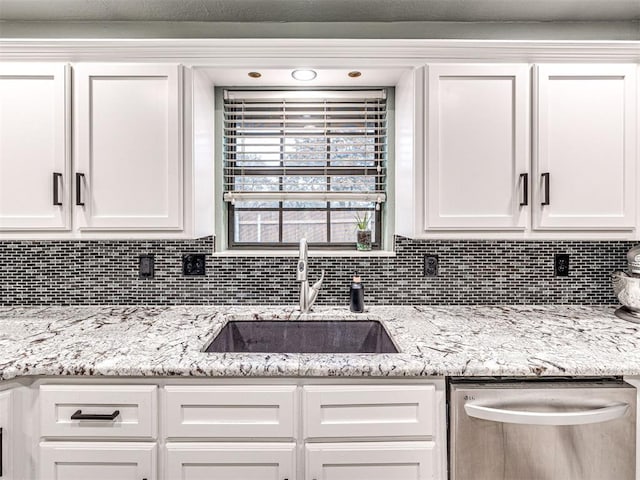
{"x":7,"y":437}
{"x":228,"y":461}
{"x":128,"y":147}
{"x":371,"y":461}
{"x":584,"y":147}
{"x":477,"y":147}
{"x":34,"y":150}
{"x":97,"y":461}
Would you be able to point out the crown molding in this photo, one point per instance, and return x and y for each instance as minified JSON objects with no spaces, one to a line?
{"x":324,"y":51}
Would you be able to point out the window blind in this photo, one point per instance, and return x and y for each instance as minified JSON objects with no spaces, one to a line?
{"x":303,"y":145}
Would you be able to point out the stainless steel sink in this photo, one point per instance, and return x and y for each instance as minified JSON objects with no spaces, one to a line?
{"x":309,"y":336}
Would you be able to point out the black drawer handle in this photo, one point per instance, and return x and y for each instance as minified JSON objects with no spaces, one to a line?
{"x":56,"y":189}
{"x":524,"y":178}
{"x":78,"y":415}
{"x":79,"y":180}
{"x":1,"y":462}
{"x":546,"y":178}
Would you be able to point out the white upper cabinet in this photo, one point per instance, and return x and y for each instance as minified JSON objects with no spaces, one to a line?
{"x":128,"y":147}
{"x":477,"y":147}
{"x":585,"y":147}
{"x":34,"y":151}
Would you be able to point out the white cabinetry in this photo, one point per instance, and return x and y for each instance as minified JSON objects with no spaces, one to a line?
{"x":34,"y":147}
{"x":224,"y":411}
{"x":369,"y":411}
{"x":382,"y":418}
{"x":585,"y":147}
{"x":231,"y":461}
{"x":371,"y":461}
{"x":75,"y":421}
{"x":473,"y":176}
{"x":477,"y":147}
{"x":7,"y":436}
{"x":128,"y":147}
{"x":226,"y":429}
{"x":97,"y":461}
{"x":125,"y":411}
{"x":129,"y":173}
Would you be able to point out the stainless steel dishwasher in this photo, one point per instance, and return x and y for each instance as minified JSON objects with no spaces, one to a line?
{"x":542,"y":430}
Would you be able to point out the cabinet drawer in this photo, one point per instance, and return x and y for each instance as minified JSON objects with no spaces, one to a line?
{"x":230,"y":411}
{"x":369,"y":411}
{"x":371,"y":461}
{"x":136,"y":406}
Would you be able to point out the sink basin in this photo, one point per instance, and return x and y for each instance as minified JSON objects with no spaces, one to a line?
{"x":310,"y":336}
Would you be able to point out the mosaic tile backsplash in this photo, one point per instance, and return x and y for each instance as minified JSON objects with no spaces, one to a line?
{"x":470,"y":272}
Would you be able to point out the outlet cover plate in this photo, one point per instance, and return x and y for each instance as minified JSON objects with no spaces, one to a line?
{"x":146,"y":266}
{"x":193,"y":264}
{"x":431,"y":264}
{"x":561,"y":265}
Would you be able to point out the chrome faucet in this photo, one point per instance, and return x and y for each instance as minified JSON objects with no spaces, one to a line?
{"x":307,"y":294}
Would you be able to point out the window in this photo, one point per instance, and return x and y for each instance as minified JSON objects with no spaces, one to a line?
{"x":303,"y":163}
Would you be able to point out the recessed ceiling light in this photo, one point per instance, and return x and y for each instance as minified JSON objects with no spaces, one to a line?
{"x":254,"y":74}
{"x":354,"y":74}
{"x":304,"y":75}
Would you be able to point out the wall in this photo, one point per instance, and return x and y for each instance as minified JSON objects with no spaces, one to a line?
{"x":471,"y":272}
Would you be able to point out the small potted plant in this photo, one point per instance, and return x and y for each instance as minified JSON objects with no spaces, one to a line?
{"x":363,"y":239}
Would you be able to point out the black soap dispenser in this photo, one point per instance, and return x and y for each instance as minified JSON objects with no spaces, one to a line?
{"x":356,"y":294}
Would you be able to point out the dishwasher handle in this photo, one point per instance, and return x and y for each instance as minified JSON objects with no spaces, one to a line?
{"x":523,"y":417}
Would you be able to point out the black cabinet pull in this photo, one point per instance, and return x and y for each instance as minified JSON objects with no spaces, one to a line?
{"x":1,"y":461}
{"x":56,"y":189}
{"x":524,"y":178}
{"x":78,"y":415}
{"x":547,"y":180}
{"x":79,"y":180}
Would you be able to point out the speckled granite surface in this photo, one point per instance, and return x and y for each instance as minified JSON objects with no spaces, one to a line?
{"x":434,"y":341}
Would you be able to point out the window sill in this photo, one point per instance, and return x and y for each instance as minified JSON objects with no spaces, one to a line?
{"x":312,"y":253}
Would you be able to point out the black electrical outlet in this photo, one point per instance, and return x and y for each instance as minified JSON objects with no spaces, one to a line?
{"x":430,"y":265}
{"x":561,"y":265}
{"x":193,"y":264}
{"x":146,"y":266}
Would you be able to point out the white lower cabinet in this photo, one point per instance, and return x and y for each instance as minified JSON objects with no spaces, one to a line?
{"x":6,"y":436}
{"x":98,"y":461}
{"x":230,"y":430}
{"x":371,"y":461}
{"x":230,"y":461}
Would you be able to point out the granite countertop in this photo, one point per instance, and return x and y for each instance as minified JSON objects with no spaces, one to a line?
{"x":434,"y":341}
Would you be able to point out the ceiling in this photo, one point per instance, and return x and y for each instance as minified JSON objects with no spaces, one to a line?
{"x":320,"y":10}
